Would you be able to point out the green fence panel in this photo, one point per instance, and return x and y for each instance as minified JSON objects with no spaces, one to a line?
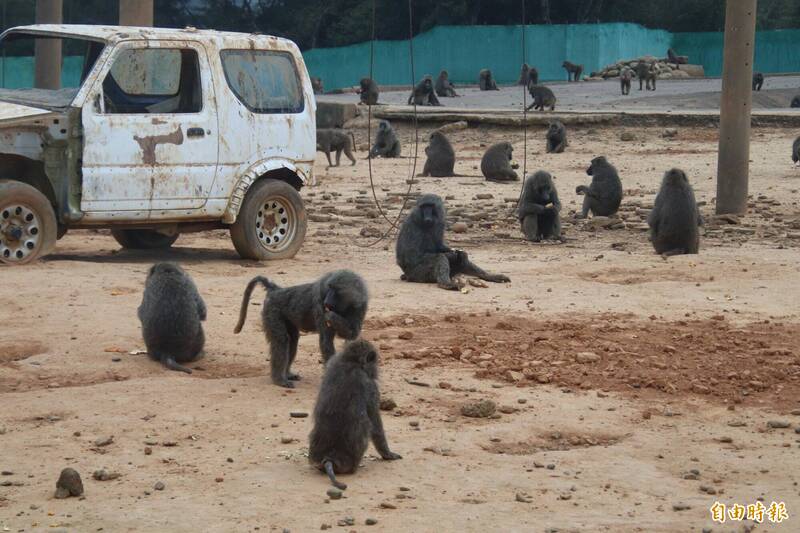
{"x":17,"y":72}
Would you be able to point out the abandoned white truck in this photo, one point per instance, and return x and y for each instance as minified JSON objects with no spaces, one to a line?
{"x":157,"y":132}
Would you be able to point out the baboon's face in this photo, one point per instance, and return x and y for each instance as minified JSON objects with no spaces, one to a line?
{"x":509,"y":151}
{"x":676,"y":177}
{"x":429,"y":214}
{"x":596,"y":161}
{"x":428,"y":84}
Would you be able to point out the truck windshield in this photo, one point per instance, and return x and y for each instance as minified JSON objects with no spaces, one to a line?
{"x":20,"y":80}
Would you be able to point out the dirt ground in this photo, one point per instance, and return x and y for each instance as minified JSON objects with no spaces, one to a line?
{"x":632,"y":392}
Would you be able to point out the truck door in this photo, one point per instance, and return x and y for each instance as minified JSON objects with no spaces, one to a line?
{"x":150,"y":130}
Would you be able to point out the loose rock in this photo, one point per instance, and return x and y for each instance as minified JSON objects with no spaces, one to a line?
{"x":479,"y":409}
{"x":69,"y":484}
{"x":334,"y":493}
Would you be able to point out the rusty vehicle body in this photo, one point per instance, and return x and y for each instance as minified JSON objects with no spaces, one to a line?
{"x":169,"y":131}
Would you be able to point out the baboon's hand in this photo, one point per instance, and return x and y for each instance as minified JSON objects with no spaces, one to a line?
{"x":391,"y":456}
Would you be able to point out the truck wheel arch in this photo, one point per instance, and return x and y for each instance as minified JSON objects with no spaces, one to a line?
{"x":29,"y":171}
{"x":281,"y":170}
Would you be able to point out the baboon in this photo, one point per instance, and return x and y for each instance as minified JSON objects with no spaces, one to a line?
{"x":444,"y":86}
{"x":542,"y":97}
{"x":386,"y":142}
{"x":556,"y":138}
{"x":486,"y":80}
{"x":758,"y":81}
{"x":424,"y":94}
{"x":796,"y":101}
{"x":625,"y":78}
{"x":329,"y":140}
{"x":496,"y":163}
{"x":423,"y":254}
{"x":369,"y":91}
{"x":533,"y":77}
{"x":796,"y":152}
{"x":171,"y":314}
{"x":647,"y":76}
{"x":675,"y":59}
{"x":573,"y":71}
{"x":675,"y":218}
{"x":335,"y":304}
{"x":539,"y":208}
{"x":316,"y":85}
{"x":604,"y":194}
{"x":441,"y":157}
{"x":347,"y":413}
{"x":524,"y":74}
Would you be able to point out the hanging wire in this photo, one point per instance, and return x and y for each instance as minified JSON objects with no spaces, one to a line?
{"x":524,"y":107}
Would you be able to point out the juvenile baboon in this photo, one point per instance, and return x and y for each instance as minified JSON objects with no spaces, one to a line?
{"x":647,"y":76}
{"x":369,"y":91}
{"x":347,"y":413}
{"x":330,"y":140}
{"x":672,"y":57}
{"x":424,"y":94}
{"x":316,"y":85}
{"x":604,"y":194}
{"x":444,"y":86}
{"x":796,"y":101}
{"x":496,"y":163}
{"x":556,"y":138}
{"x":539,"y":208}
{"x":335,"y":304}
{"x":524,"y":74}
{"x":441,"y":157}
{"x":573,"y":71}
{"x":423,"y":254}
{"x":675,"y":218}
{"x":542,"y":97}
{"x":386,"y":142}
{"x":486,"y":80}
{"x":533,"y":77}
{"x":171,"y":314}
{"x":796,"y":152}
{"x":625,"y":78}
{"x":758,"y":81}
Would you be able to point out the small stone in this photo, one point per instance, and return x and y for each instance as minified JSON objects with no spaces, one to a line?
{"x":414,"y":423}
{"x":69,"y":484}
{"x":116,"y":359}
{"x":286,"y":440}
{"x":388,"y":404}
{"x":778,"y":424}
{"x":707,"y":489}
{"x":104,"y":441}
{"x":159,"y":486}
{"x":479,"y":409}
{"x":298,"y":414}
{"x":7,"y":473}
{"x":484,"y":196}
{"x":388,"y":505}
{"x":334,"y":493}
{"x":219,"y":479}
{"x":725,"y":439}
{"x":522,"y":497}
{"x":459,"y":227}
{"x":229,"y":459}
{"x":406,"y":335}
{"x":370,"y":521}
{"x":681,"y":506}
{"x":346,"y":521}
{"x":670,"y":133}
{"x":587,"y":357}
{"x":102,"y":475}
{"x":627,"y":136}
{"x":551,"y":467}
{"x":148,"y":450}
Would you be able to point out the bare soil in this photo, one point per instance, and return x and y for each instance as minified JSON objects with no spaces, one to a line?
{"x":626,"y":386}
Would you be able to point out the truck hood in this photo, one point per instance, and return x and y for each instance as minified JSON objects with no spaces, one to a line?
{"x":14,"y":114}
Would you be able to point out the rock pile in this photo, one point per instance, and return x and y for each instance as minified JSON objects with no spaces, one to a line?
{"x":665,"y":69}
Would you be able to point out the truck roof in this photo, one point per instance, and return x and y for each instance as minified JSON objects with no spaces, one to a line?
{"x":115,"y":34}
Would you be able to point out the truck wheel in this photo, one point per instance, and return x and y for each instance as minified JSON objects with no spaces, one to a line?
{"x":271,"y":223}
{"x":27,"y":223}
{"x":143,"y":239}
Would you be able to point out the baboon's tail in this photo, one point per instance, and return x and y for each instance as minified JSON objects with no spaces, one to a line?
{"x":170,"y":363}
{"x":353,"y":137}
{"x":268,"y":285}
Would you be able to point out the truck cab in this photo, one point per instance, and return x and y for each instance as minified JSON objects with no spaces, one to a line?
{"x":157,"y":132}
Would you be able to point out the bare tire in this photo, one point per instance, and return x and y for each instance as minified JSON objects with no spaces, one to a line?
{"x":271,"y":223}
{"x":28,"y":224}
{"x":143,"y":239}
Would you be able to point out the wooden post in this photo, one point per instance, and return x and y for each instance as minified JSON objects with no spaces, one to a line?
{"x":136,"y":12}
{"x":48,"y":51}
{"x":735,"y":108}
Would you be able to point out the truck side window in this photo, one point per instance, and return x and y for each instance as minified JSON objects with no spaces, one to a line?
{"x":264,"y":81}
{"x":153,"y":80}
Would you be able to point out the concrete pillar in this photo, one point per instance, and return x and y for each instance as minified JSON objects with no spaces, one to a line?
{"x":48,"y":51}
{"x":733,"y":168}
{"x":136,"y":12}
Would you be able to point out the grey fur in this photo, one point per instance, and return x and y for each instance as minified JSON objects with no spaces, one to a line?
{"x":331,"y":139}
{"x":369,"y":91}
{"x":758,"y":81}
{"x":386,"y":142}
{"x":542,"y":97}
{"x":486,"y":81}
{"x":171,"y":314}
{"x":795,"y":101}
{"x":424,"y":93}
{"x":316,"y":84}
{"x":675,"y":218}
{"x":796,"y":151}
{"x":423,"y":254}
{"x":647,"y":76}
{"x":556,"y":138}
{"x":625,"y":78}
{"x":441,"y":157}
{"x":573,"y":71}
{"x":604,"y":194}
{"x":444,"y":87}
{"x":347,"y":413}
{"x":335,"y":304}
{"x":496,"y":163}
{"x":524,"y":74}
{"x":533,"y":77}
{"x":539,"y":208}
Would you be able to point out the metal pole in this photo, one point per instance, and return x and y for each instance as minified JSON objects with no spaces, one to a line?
{"x":48,"y":51}
{"x":735,"y":108}
{"x":136,"y":13}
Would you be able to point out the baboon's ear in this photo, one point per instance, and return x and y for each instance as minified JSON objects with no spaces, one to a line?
{"x":372,"y":356}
